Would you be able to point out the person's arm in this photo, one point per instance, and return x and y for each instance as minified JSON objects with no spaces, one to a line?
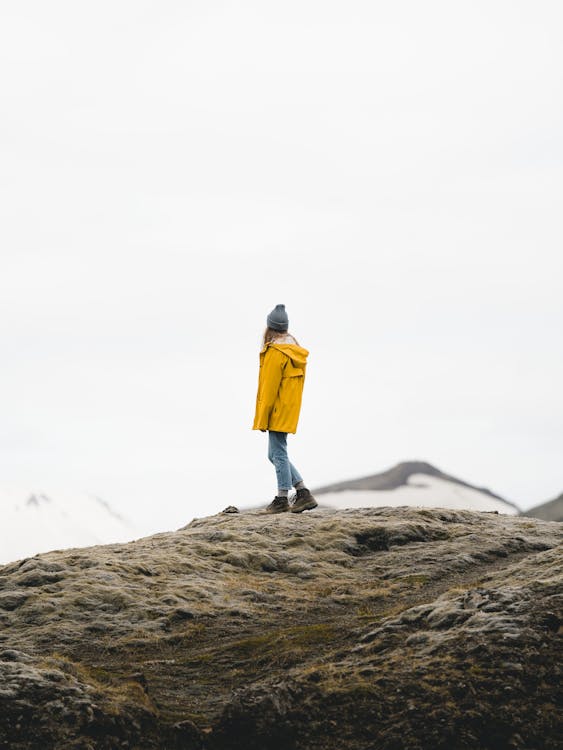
{"x":270,"y":379}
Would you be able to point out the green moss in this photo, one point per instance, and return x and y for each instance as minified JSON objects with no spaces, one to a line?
{"x":186,"y":635}
{"x":417,"y":579}
{"x":283,"y":639}
{"x":98,"y":674}
{"x":114,"y":688}
{"x":357,"y":692}
{"x":198,"y":658}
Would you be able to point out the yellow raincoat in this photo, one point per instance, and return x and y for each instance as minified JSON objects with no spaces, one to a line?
{"x":280,"y":386}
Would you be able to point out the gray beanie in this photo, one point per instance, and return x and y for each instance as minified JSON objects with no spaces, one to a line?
{"x":278,"y":319}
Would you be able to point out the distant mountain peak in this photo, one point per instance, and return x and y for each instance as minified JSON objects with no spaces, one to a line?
{"x":37,"y":499}
{"x":399,"y":475}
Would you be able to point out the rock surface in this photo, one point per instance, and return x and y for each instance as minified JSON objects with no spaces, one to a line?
{"x":391,"y":628}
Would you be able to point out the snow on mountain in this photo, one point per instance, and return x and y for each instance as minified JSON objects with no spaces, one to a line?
{"x":414,"y":483}
{"x":33,"y":522}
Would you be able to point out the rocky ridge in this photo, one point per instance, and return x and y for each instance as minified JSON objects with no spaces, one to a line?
{"x":392,"y":628}
{"x":550,"y":511}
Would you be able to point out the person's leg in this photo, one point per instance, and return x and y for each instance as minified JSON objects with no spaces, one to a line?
{"x":296,"y":478}
{"x":303,"y":499}
{"x":277,"y":454}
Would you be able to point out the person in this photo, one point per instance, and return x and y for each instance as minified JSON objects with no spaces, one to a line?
{"x":278,"y":403}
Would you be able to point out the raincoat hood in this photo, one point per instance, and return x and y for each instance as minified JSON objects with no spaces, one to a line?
{"x":288,"y":345}
{"x":297,"y":354}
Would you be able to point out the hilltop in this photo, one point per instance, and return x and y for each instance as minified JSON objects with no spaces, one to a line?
{"x":395,"y":628}
{"x":37,"y":520}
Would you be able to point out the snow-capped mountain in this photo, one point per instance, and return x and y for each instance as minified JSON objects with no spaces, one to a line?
{"x":412,"y":483}
{"x":33,"y":522}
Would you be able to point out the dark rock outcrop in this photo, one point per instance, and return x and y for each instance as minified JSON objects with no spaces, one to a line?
{"x":391,"y":628}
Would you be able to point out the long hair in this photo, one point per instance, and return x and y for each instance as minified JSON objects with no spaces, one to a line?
{"x":270,"y":334}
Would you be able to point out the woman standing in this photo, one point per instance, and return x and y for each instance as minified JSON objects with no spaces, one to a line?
{"x":278,"y":403}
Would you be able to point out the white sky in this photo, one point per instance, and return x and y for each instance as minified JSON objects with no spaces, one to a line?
{"x":170,"y":171}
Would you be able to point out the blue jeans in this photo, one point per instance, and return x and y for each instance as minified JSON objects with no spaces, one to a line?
{"x":286,"y":472}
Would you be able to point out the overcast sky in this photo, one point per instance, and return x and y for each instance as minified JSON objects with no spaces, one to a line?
{"x":170,"y":171}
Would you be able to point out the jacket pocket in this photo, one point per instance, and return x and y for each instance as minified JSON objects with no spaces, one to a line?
{"x":290,"y":390}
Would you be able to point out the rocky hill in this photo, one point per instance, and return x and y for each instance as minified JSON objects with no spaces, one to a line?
{"x":388,"y":628}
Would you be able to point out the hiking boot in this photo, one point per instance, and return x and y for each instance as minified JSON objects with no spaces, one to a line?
{"x":303,"y":501}
{"x":278,"y":505}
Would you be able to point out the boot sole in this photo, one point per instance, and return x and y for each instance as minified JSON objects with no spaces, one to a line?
{"x":308,"y":506}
